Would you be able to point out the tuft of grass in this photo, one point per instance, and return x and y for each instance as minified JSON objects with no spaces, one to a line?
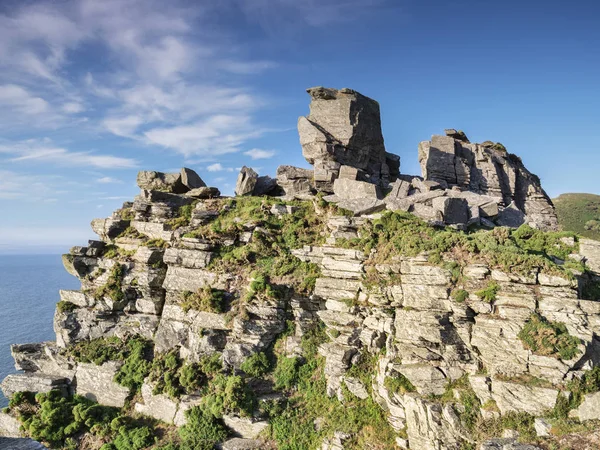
{"x":204,"y":299}
{"x":398,"y":384}
{"x":460,"y":295}
{"x":256,"y":365}
{"x":488,"y":294}
{"x":113,"y":288}
{"x":64,"y":306}
{"x":547,"y":338}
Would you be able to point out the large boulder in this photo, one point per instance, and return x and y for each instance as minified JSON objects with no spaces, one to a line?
{"x":295,"y":181}
{"x":488,"y":169}
{"x":344,"y":128}
{"x":175,"y":183}
{"x":246,"y":181}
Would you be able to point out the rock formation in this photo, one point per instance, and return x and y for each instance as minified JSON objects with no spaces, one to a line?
{"x":275,"y":322}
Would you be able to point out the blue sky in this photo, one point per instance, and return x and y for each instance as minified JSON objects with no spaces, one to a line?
{"x":91,"y":92}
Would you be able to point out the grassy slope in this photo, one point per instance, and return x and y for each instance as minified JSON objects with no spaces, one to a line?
{"x":574,"y":210}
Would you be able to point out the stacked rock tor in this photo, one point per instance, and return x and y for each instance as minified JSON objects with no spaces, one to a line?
{"x":462,"y":183}
{"x":433,"y":344}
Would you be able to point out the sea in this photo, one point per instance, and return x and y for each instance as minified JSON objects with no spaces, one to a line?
{"x":29,"y":286}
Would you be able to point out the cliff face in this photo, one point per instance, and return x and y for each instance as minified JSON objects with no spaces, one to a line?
{"x":275,"y":322}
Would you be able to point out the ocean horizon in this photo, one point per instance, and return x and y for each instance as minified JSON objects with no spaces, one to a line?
{"x":29,"y":286}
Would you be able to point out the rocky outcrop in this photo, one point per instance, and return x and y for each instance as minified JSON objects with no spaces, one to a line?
{"x":488,"y":169}
{"x":176,"y":183}
{"x":433,"y":338}
{"x":343,"y":129}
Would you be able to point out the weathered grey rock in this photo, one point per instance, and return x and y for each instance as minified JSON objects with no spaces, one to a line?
{"x":243,"y":444}
{"x":159,"y":406}
{"x":245,"y":427}
{"x":295,"y":181}
{"x":192,"y":259}
{"x":246,"y":181}
{"x":109,"y":229}
{"x":489,"y":170}
{"x":454,"y":210}
{"x":520,"y":397}
{"x":590,"y":249}
{"x":399,"y":190}
{"x":346,"y":189}
{"x":542,"y":427}
{"x":13,"y":443}
{"x":590,"y":407}
{"x":191,"y":179}
{"x":356,"y":387}
{"x":265,"y":185}
{"x":9,"y":426}
{"x":343,"y":128}
{"x":362,"y":206}
{"x":97,"y":384}
{"x":33,"y":382}
{"x":159,"y":181}
{"x":204,"y":192}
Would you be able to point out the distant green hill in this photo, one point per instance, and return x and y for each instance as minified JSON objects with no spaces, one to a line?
{"x":579,"y":213}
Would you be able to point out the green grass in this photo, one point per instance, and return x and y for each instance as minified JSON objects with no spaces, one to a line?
{"x":269,"y":251}
{"x":204,"y":299}
{"x":547,"y":338}
{"x":574,"y":211}
{"x":522,"y":250}
{"x":398,"y":384}
{"x":113,"y":288}
{"x":488,"y":294}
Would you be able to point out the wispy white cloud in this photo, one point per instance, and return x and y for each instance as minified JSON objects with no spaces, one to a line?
{"x":258,"y":153}
{"x":108,"y":180}
{"x":217,"y":135}
{"x":22,"y":101}
{"x":42,"y":152}
{"x":73,"y":107}
{"x":217,"y":167}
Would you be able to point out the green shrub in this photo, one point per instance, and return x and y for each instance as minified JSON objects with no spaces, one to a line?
{"x":228,"y":395}
{"x":113,"y":288}
{"x":286,"y":373}
{"x":174,"y":377}
{"x":156,"y":243}
{"x":547,"y":338}
{"x":202,"y":431}
{"x":488,"y":294}
{"x":204,"y":299}
{"x":211,"y":364}
{"x":64,"y":306}
{"x":256,"y":365}
{"x":183,"y":218}
{"x":460,"y":295}
{"x":98,"y":351}
{"x":133,"y":438}
{"x":52,"y":418}
{"x":521,"y":422}
{"x":137,"y":364}
{"x":260,"y":287}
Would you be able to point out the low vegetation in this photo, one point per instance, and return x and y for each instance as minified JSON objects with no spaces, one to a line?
{"x":272,"y":238}
{"x":59,"y":421}
{"x":547,"y":338}
{"x":488,"y":294}
{"x":579,"y":213}
{"x":204,"y":299}
{"x":521,"y":251}
{"x":113,"y":288}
